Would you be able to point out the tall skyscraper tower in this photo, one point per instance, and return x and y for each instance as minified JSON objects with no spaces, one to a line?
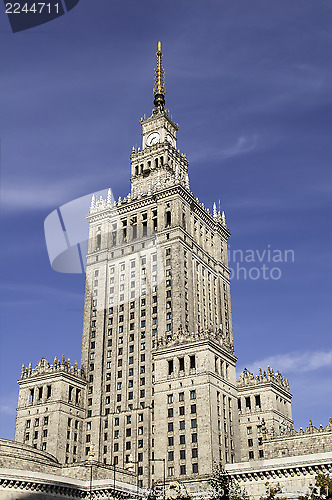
{"x":157,"y":341}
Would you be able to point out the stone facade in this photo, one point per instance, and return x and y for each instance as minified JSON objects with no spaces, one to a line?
{"x":157,"y":389}
{"x":26,"y":472}
{"x":295,"y":475}
{"x":289,"y":443}
{"x":51,"y":409}
{"x":263,"y":401}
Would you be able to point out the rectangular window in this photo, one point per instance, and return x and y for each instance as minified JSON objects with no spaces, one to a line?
{"x":182,"y":424}
{"x":182,"y":469}
{"x":171,"y":471}
{"x":182,"y":439}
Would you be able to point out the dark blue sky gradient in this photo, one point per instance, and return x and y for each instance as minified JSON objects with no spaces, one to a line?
{"x":249,"y":82}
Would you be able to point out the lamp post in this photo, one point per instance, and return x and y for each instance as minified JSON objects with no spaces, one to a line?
{"x":114,"y":476}
{"x":164,"y":467}
{"x":132,"y":461}
{"x":91,"y":455}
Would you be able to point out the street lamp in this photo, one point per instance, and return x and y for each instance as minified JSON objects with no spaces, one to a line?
{"x":91,"y":455}
{"x":114,"y":476}
{"x":132,"y":461}
{"x":164,"y":464}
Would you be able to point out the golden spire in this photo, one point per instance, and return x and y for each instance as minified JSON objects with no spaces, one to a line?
{"x":159,"y":88}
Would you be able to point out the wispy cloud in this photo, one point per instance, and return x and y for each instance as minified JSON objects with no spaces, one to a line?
{"x":243,"y":145}
{"x":23,"y":293}
{"x":7,"y":409}
{"x":8,"y":403}
{"x":295,"y":361}
{"x":48,"y":193}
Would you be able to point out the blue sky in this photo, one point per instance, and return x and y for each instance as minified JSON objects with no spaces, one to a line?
{"x":249,"y":83}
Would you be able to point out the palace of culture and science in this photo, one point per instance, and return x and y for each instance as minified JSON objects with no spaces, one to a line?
{"x":156,"y":396}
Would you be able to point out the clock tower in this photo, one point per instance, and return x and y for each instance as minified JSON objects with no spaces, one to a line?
{"x":158,"y":162}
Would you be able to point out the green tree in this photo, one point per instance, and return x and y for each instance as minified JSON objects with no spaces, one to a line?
{"x":224,"y":487}
{"x":322,"y":490}
{"x":272,"y":492}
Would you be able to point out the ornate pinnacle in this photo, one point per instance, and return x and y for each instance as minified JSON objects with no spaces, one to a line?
{"x":159,"y":88}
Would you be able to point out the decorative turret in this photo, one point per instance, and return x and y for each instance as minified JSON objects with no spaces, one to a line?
{"x":248,"y":378}
{"x":43,"y":366}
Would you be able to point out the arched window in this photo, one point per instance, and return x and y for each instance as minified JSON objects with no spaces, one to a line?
{"x":98,"y":241}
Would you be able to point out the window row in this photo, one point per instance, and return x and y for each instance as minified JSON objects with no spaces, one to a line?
{"x":170,"y":411}
{"x":35,"y":434}
{"x":252,"y":455}
{"x":182,"y":439}
{"x":180,"y":363}
{"x":170,"y":397}
{"x":182,"y":425}
{"x":183,"y":469}
{"x":182,"y":454}
{"x":250,"y":402}
{"x":36,"y":394}
{"x":37,"y":422}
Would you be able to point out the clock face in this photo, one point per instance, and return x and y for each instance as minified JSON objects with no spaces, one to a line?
{"x":170,"y":139}
{"x":152,"y":139}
